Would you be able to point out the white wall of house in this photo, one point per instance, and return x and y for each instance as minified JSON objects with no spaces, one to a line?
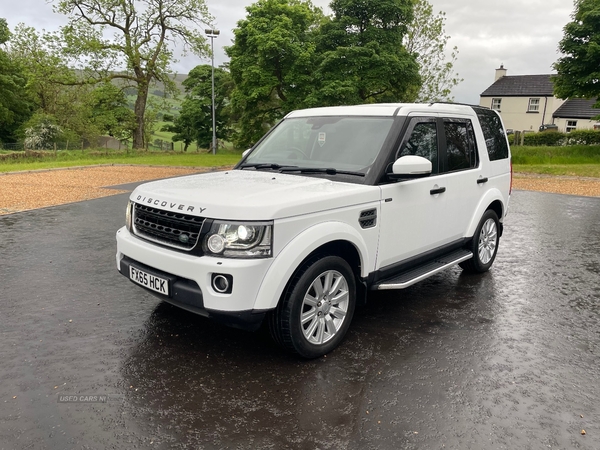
{"x":566,"y":124}
{"x":523,"y":113}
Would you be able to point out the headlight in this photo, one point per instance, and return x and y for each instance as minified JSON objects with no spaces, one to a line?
{"x":240,"y":239}
{"x":128,"y":215}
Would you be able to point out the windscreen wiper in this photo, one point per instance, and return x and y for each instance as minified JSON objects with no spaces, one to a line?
{"x":326,"y":170}
{"x":271,"y":166}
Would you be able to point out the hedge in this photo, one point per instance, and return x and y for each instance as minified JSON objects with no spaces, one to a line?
{"x":557,"y":138}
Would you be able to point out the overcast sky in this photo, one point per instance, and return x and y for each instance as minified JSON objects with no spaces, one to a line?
{"x":521,"y":34}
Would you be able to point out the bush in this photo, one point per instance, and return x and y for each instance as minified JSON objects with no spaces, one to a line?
{"x":557,"y":138}
{"x":549,"y":138}
{"x":583,"y":137}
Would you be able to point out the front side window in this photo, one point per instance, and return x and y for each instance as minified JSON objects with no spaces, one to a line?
{"x":496,"y":104}
{"x":461,"y":150}
{"x":571,"y":125}
{"x":534,"y":105}
{"x":422,"y":141}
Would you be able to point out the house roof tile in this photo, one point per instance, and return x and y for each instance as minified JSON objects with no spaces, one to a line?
{"x":577,"y":108}
{"x":521,"y":86}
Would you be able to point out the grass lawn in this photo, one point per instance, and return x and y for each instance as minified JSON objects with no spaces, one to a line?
{"x":578,"y":160}
{"x":576,"y":170}
{"x":88,"y":158}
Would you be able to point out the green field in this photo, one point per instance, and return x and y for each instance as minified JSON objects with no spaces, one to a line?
{"x":87,"y":158}
{"x":576,"y":160}
{"x":579,"y":160}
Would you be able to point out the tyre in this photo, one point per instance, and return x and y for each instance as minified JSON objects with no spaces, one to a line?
{"x":316,"y":309}
{"x":484,"y":244}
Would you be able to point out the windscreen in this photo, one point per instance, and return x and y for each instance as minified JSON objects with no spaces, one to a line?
{"x":341,"y":143}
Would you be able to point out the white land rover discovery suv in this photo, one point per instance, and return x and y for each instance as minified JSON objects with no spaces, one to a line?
{"x":329,"y":204}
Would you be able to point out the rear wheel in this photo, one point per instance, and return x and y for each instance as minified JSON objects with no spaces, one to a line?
{"x":315,"y":312}
{"x":484,"y":244}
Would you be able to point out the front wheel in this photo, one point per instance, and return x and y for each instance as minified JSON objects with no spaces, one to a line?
{"x":484,"y":244}
{"x":316,"y":309}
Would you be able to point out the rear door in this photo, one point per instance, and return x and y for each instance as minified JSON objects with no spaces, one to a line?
{"x":463,"y":176}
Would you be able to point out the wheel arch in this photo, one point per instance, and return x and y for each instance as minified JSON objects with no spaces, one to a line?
{"x":492,"y":200}
{"x":335,"y":238}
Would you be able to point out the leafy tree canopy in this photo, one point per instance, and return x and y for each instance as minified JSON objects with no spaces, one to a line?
{"x":194,"y":123}
{"x":272,"y":60}
{"x":426,"y":38}
{"x":15,"y":104}
{"x":579,"y":69}
{"x":111,"y":113}
{"x":56,"y":89}
{"x":361,"y":55}
{"x":132,"y":40}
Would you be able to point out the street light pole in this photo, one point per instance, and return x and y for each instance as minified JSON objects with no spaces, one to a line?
{"x":212,"y":34}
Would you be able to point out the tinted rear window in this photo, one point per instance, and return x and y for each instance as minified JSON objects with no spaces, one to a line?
{"x":493,"y":131}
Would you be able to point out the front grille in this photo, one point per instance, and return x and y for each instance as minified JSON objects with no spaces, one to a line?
{"x":368,"y":218}
{"x":166,"y":227}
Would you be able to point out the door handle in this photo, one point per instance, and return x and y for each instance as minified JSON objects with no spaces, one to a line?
{"x":482,"y":180}
{"x":437,"y":191}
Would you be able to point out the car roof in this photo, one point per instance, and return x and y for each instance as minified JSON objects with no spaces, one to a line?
{"x":384,"y":110}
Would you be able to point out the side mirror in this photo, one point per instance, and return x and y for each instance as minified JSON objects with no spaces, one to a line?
{"x":409,"y":167}
{"x":246,"y":152}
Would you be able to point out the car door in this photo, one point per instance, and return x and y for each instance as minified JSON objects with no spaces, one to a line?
{"x":413,"y":212}
{"x":463,"y":176}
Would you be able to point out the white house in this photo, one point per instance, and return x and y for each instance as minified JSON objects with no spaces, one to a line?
{"x":526,"y":102}
{"x":576,"y":114}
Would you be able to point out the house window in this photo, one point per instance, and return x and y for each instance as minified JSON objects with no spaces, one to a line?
{"x":571,"y":125}
{"x":496,"y":103}
{"x":534,"y":105}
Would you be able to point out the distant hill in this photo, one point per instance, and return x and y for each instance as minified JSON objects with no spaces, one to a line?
{"x":156,"y":88}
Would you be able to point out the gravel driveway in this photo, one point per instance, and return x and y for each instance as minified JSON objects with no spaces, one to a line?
{"x":24,"y":191}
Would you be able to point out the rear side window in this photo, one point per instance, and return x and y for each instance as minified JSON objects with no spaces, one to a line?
{"x":461,"y":151}
{"x":495,"y":138}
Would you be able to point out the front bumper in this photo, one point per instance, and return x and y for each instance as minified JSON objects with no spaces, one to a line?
{"x":190,"y":278}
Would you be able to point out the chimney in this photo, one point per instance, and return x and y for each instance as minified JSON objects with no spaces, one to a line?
{"x":501,"y":72}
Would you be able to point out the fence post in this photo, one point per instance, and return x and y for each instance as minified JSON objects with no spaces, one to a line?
{"x":55,"y":153}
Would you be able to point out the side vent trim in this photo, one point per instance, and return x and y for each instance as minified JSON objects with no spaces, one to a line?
{"x":368,"y":218}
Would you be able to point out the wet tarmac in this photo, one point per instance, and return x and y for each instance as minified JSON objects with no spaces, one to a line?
{"x":506,"y":360}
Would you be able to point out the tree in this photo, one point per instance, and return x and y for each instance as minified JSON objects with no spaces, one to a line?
{"x":110,"y":112}
{"x":426,"y":38}
{"x":578,"y":71}
{"x":361,"y":56}
{"x":15,"y":103}
{"x":41,"y":132}
{"x":194,"y":123}
{"x":140,"y":50}
{"x":56,"y":89}
{"x":272,"y":60}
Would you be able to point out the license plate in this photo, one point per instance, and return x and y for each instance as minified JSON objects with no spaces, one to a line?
{"x":158,"y":284}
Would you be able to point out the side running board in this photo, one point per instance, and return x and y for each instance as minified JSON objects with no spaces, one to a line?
{"x":416,"y":274}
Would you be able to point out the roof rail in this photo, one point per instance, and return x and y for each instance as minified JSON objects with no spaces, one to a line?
{"x":461,"y":104}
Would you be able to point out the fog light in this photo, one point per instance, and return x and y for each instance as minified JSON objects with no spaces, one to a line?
{"x":221,"y":283}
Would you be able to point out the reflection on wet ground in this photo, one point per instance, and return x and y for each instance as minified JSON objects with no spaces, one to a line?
{"x":509,"y":359}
